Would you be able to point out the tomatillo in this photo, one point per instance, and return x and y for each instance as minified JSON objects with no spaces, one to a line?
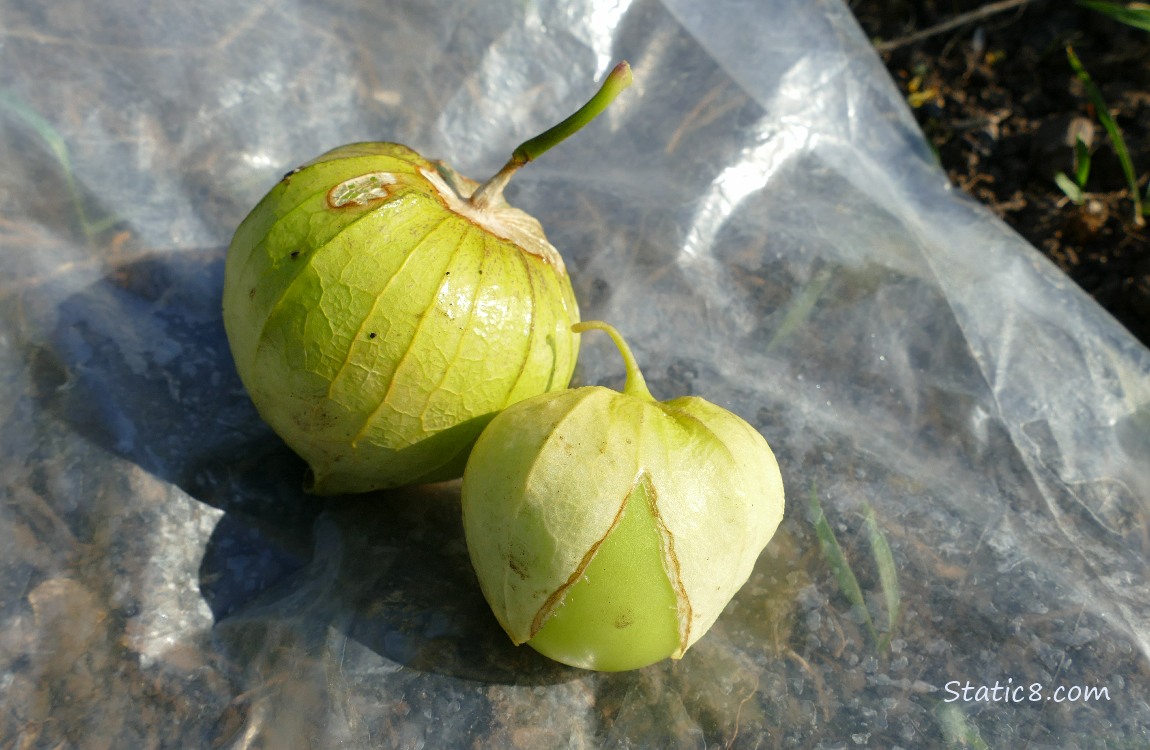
{"x":381,"y":309}
{"x":609,"y":530}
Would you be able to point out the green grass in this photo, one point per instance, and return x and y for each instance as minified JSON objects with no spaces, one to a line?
{"x":1137,"y":15}
{"x":17,"y":110}
{"x":848,"y":583}
{"x":1075,"y":189}
{"x":1112,"y":131}
{"x":800,"y":309}
{"x":1131,"y":14}
{"x":887,"y":575}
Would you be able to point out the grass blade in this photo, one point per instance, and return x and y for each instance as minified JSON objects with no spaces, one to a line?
{"x":56,"y":145}
{"x":1112,"y":130}
{"x":1081,"y":162}
{"x":800,"y":308}
{"x":1070,"y":187}
{"x":887,"y":575}
{"x":1131,"y":14}
{"x":848,"y":584}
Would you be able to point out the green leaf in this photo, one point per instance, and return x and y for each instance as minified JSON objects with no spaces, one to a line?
{"x":1068,"y":186}
{"x":57,"y":146}
{"x":848,"y":584}
{"x":887,"y":575}
{"x":801,"y":306}
{"x":1132,"y":14}
{"x":1081,"y":162}
{"x":1112,"y":131}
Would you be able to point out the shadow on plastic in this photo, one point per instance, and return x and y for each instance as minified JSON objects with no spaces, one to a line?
{"x":139,"y":364}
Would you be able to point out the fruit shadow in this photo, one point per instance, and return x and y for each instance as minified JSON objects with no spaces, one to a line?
{"x":138,"y":364}
{"x":388,"y":570}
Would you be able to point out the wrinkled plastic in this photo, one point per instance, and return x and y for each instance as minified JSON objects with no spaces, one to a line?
{"x":759,"y":216}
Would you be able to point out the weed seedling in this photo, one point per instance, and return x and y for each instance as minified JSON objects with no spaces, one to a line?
{"x":1112,"y":131}
{"x":844,"y":575}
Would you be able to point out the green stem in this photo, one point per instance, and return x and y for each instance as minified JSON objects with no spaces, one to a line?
{"x":618,"y":80}
{"x":635,"y":386}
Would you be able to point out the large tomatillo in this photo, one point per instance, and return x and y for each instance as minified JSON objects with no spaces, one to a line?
{"x":382,"y":308}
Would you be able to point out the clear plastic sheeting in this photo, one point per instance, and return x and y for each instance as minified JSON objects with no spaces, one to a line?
{"x":762,"y":220}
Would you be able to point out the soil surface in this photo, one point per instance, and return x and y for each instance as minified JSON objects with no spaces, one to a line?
{"x":1002,"y":106}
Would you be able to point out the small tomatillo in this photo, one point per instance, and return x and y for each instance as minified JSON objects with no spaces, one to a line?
{"x":609,"y":530}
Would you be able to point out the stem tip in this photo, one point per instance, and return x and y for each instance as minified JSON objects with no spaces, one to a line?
{"x":636,"y":385}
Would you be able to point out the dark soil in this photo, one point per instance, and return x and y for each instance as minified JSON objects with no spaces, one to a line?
{"x":1001,"y":105}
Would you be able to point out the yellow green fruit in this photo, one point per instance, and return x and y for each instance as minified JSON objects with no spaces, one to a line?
{"x":609,"y":530}
{"x":382,"y":308}
{"x":378,"y":320}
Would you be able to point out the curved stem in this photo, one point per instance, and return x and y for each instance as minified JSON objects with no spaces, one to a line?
{"x":636,"y":385}
{"x":618,"y":80}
